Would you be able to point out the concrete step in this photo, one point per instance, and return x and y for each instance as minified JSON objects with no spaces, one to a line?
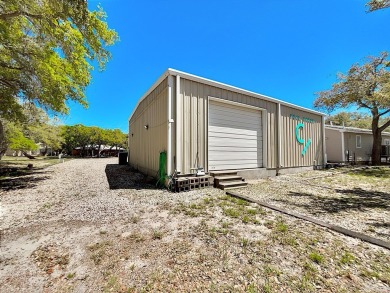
{"x":228,"y":177}
{"x":225,"y":172}
{"x":232,"y":184}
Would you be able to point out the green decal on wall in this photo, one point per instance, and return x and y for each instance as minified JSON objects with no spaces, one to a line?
{"x":300,"y":139}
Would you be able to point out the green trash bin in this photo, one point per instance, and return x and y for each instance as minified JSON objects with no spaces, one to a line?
{"x":122,"y":158}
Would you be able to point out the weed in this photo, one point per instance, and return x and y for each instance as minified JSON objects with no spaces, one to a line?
{"x":207,"y":200}
{"x":245,"y":219}
{"x":102,"y":232}
{"x":70,"y":276}
{"x":267,"y":288}
{"x":112,"y":284}
{"x":244,"y":242}
{"x":225,"y":225}
{"x":347,"y":258}
{"x":99,"y":251}
{"x":134,"y":219}
{"x":137,"y":237}
{"x":231,"y":212}
{"x":251,"y":212}
{"x":157,"y":234}
{"x":281,"y":227}
{"x":316,"y":257}
{"x":251,"y":288}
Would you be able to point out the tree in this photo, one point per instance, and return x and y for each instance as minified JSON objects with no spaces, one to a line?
{"x":353,"y":119}
{"x":76,"y":136}
{"x":46,"y":51}
{"x":378,"y":4}
{"x":18,"y":142}
{"x":366,"y":86}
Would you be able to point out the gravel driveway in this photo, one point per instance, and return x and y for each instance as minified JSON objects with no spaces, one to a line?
{"x":90,"y":225}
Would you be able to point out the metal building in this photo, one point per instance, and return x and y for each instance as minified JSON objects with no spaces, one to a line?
{"x":351,"y":144}
{"x":204,"y":123}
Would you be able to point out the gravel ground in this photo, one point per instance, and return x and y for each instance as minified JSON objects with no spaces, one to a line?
{"x":355,"y":198}
{"x":90,"y":225}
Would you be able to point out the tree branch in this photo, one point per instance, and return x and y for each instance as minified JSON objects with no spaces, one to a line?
{"x":384,"y":113}
{"x":5,"y":16}
{"x":384,"y":126}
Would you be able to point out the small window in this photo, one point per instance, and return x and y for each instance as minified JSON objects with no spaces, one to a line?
{"x":387,"y":141}
{"x":358,"y":141}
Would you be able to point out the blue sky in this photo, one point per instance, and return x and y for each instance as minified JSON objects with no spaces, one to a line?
{"x":288,"y":50}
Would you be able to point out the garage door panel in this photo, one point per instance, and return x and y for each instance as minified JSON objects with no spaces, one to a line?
{"x":235,"y":137}
{"x":231,"y":123}
{"x":235,"y":165}
{"x":221,"y":156}
{"x":233,"y":143}
{"x":219,"y":129}
{"x":221,"y":116}
{"x":235,"y":110}
{"x":228,"y":149}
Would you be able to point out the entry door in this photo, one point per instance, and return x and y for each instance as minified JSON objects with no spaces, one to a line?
{"x":235,"y":137}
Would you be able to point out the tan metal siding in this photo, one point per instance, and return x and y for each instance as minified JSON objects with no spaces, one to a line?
{"x":360,"y":154}
{"x":194,"y":107}
{"x":291,"y":149}
{"x":146,"y":145}
{"x":334,"y":149}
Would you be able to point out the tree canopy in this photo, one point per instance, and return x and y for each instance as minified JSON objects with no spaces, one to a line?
{"x":367,"y":87}
{"x":378,"y":4}
{"x":46,"y":51}
{"x":80,"y":136}
{"x":353,"y":119}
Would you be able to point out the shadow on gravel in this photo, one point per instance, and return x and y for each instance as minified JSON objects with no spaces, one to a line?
{"x":21,"y":182}
{"x":350,"y":199}
{"x":124,"y":177}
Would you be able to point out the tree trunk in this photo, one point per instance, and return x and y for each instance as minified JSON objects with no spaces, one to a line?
{"x":3,"y":143}
{"x":45,"y":151}
{"x":28,"y":156}
{"x":377,"y":141}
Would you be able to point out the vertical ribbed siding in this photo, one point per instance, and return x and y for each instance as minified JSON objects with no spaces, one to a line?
{"x":194,"y":121}
{"x":146,"y":145}
{"x":291,"y":152}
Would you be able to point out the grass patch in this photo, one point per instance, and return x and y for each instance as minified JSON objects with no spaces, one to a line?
{"x":231,"y":212}
{"x":157,"y":235}
{"x":281,"y":227}
{"x":316,"y":257}
{"x":347,"y":258}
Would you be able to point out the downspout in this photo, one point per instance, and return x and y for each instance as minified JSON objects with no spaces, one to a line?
{"x":279,"y":140}
{"x":324,"y":155}
{"x":170,"y":121}
{"x":343,"y":147}
{"x":178,"y":127}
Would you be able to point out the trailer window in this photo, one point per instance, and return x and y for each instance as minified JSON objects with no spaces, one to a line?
{"x":358,"y":141}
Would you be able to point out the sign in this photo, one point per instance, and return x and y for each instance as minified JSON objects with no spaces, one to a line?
{"x":298,"y":128}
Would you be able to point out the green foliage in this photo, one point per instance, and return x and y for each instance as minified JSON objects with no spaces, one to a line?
{"x":79,"y":136}
{"x":347,"y":258}
{"x":17,"y":141}
{"x":378,"y":4}
{"x":46,"y":50}
{"x":367,"y":87}
{"x":353,"y":119}
{"x":316,"y":257}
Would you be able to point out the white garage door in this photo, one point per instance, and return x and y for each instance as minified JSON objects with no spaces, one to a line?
{"x":235,"y":137}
